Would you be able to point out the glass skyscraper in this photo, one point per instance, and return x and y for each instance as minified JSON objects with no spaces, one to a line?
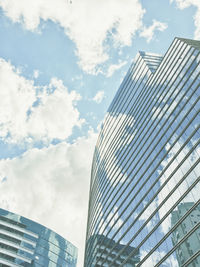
{"x":26,"y":243}
{"x":145,"y":184}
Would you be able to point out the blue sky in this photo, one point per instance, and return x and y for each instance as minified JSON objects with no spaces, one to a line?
{"x":61,"y":62}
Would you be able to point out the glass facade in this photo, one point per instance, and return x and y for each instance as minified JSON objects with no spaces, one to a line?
{"x":145,"y":184}
{"x":27,"y":243}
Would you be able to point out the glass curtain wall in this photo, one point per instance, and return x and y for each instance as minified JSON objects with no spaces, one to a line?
{"x":144,"y":193}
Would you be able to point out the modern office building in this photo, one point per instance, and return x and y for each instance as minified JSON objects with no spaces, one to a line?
{"x":26,"y":243}
{"x":192,"y":244}
{"x":146,"y":163}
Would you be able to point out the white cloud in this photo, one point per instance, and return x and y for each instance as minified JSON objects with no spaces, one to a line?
{"x":119,"y":175}
{"x":118,"y":126}
{"x":147,"y":213}
{"x":84,"y":22}
{"x":54,"y":115}
{"x":126,"y":137}
{"x":51,"y":186}
{"x":182,"y":4}
{"x":99,"y":97}
{"x":148,"y":32}
{"x":156,"y":257}
{"x":114,"y":67}
{"x":77,"y":78}
{"x":112,"y":217}
{"x":16,"y":96}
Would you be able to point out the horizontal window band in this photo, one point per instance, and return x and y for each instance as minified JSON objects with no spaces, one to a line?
{"x":15,"y":255}
{"x":12,"y":244}
{"x":20,"y":229}
{"x":18,"y":237}
{"x":9,"y":263}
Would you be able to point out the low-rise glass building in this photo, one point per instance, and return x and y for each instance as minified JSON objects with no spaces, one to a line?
{"x":26,"y":243}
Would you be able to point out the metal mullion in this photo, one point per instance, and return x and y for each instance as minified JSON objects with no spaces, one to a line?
{"x":168,"y":58}
{"x":133,"y":71}
{"x":158,"y":77}
{"x":143,"y":92}
{"x":172,"y":47}
{"x":113,"y":132}
{"x":154,"y":184}
{"x":178,"y":244}
{"x":163,"y":185}
{"x":164,"y":217}
{"x":122,"y":203}
{"x":151,"y":201}
{"x":164,"y":113}
{"x":122,"y":88}
{"x":177,"y":43}
{"x":162,"y":97}
{"x":121,"y":157}
{"x":134,"y":65}
{"x":172,"y":51}
{"x":162,"y":78}
{"x":146,"y":98}
{"x":133,"y":84}
{"x":190,"y":260}
{"x":163,"y":146}
{"x":159,"y":190}
{"x":95,"y":166}
{"x":130,"y":82}
{"x":169,"y":233}
{"x":168,"y":151}
{"x":140,"y":64}
{"x":176,"y":95}
{"x":92,"y":185}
